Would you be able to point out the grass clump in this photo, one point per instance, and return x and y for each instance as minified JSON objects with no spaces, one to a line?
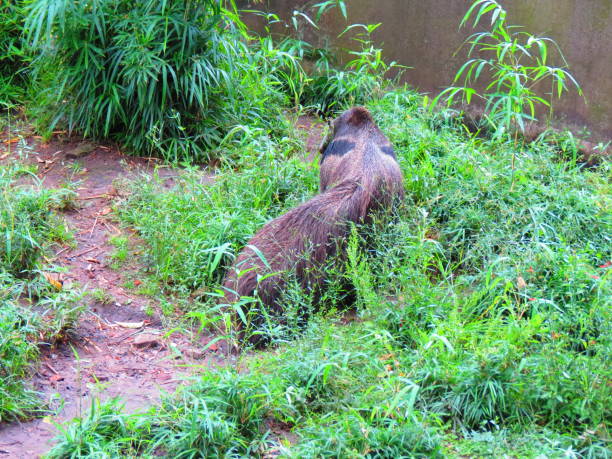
{"x":32,"y":310}
{"x":104,"y":432}
{"x":26,"y":220}
{"x":354,"y":437}
{"x":194,"y":229}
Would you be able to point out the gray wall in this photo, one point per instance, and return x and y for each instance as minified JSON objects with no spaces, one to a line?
{"x":424,"y":34}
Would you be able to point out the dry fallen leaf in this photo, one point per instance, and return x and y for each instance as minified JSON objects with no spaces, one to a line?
{"x":54,"y":279}
{"x":130,"y":324}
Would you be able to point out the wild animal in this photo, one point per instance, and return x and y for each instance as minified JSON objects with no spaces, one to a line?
{"x":359,"y":176}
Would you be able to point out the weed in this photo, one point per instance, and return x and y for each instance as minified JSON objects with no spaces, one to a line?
{"x":121,"y":252}
{"x":352,"y":436}
{"x":518,"y":64}
{"x":92,"y":435}
{"x":101,"y":296}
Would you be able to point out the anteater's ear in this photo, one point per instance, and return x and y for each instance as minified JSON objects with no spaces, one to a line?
{"x":359,"y":116}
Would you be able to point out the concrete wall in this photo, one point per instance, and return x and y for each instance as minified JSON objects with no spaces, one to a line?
{"x":424,"y":34}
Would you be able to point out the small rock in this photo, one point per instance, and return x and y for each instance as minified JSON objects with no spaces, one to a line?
{"x":81,"y":151}
{"x":193,"y":353}
{"x":146,"y":340}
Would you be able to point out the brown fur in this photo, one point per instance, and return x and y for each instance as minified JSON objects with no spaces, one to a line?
{"x":359,"y":175}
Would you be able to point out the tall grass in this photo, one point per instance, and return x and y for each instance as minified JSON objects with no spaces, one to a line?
{"x":194,"y":229}
{"x":165,"y":78}
{"x":14,"y":54}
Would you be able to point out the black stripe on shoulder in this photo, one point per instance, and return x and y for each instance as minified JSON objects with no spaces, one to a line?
{"x":388,"y":150}
{"x":339,"y":148}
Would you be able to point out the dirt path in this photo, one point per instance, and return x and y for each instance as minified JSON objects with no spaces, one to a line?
{"x":114,"y":359}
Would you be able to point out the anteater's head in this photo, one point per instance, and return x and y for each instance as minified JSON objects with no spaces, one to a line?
{"x":355,"y":149}
{"x":350,"y":122}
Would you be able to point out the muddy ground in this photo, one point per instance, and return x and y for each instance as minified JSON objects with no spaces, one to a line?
{"x":120,"y":347}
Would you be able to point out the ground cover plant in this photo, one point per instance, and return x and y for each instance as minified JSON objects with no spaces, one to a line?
{"x":482,"y":313}
{"x":33,"y":310}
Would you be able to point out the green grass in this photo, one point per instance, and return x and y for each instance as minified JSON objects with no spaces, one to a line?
{"x":14,"y":55}
{"x":32,"y":311}
{"x":482,"y":308}
{"x":193,"y":230}
{"x":170,"y":78}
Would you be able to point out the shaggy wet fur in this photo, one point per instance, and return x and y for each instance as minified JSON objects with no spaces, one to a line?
{"x":359,"y":175}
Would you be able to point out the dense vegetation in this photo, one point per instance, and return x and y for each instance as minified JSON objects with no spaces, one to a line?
{"x":481,"y":320}
{"x":14,"y":55}
{"x":483,"y":310}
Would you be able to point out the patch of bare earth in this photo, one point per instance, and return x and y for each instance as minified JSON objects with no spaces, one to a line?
{"x":120,"y":347}
{"x":313,"y":129}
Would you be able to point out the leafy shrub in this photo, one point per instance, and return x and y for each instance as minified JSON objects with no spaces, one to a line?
{"x":221,"y":415}
{"x":314,"y":76}
{"x":166,"y":78}
{"x":315,"y":380}
{"x":516,"y":62}
{"x":332,"y":88}
{"x":565,"y":389}
{"x":14,"y":56}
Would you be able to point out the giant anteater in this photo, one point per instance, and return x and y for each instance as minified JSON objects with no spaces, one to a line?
{"x":359,"y":175}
